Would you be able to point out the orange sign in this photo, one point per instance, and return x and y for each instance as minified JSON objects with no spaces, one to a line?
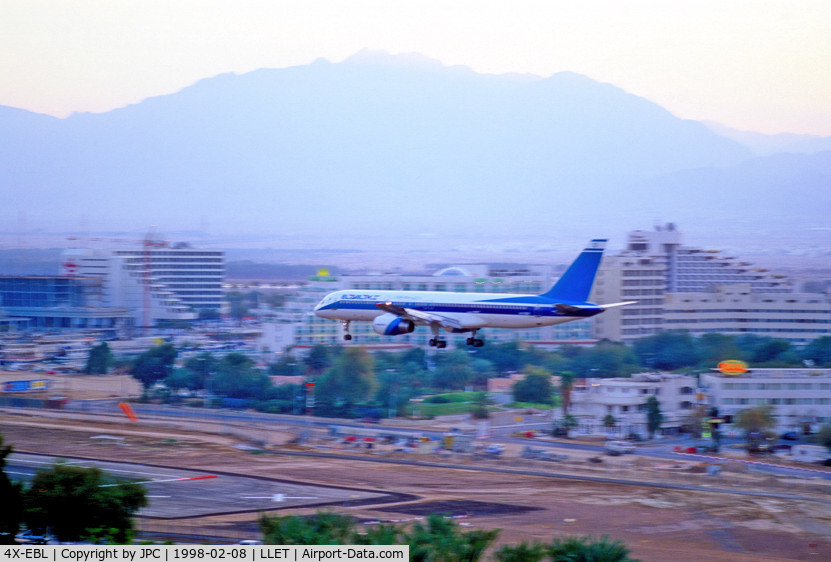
{"x":733,"y":367}
{"x":128,"y":411}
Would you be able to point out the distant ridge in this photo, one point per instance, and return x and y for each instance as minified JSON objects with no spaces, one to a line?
{"x":383,"y":144}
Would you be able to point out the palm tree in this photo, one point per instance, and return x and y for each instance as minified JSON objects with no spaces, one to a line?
{"x":609,"y":422}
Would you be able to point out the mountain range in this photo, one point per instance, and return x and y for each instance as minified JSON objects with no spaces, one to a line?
{"x":389,"y":144}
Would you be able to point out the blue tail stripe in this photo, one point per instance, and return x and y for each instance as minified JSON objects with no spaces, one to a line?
{"x":576,"y":283}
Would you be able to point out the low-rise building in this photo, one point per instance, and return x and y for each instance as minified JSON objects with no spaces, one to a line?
{"x":625,"y":400}
{"x":798,"y":397}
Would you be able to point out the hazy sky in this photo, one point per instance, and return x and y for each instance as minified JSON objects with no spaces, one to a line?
{"x":750,"y":64}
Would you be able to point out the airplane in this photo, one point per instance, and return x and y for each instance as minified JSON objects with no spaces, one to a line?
{"x":399,"y":312}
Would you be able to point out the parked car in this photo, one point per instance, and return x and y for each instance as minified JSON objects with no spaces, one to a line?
{"x":542,"y":454}
{"x":790,"y":435}
{"x":489,"y":451}
{"x":618,"y":447}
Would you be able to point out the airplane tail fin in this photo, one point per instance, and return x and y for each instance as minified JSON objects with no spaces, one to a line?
{"x":576,"y":283}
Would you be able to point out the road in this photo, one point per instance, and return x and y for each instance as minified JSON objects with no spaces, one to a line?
{"x":662,"y":449}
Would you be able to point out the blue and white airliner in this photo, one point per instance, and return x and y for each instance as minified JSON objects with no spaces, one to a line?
{"x":399,"y":312}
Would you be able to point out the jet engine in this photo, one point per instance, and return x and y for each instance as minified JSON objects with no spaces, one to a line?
{"x":392,"y":325}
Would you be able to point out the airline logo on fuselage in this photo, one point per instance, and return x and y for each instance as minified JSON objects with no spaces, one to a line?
{"x":360,"y":297}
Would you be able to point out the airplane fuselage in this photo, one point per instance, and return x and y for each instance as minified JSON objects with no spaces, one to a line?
{"x":471,"y":310}
{"x":399,"y":312}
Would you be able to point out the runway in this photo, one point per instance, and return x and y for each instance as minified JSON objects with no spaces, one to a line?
{"x":175,"y":493}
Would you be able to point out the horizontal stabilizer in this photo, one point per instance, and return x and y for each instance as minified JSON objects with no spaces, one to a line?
{"x":571,"y":310}
{"x":614,"y":304}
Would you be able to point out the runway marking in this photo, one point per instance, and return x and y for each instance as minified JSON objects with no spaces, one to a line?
{"x":279,"y":497}
{"x":180,"y":479}
{"x":93,"y":465}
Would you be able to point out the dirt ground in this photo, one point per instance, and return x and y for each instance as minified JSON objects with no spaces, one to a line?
{"x":656,"y":524}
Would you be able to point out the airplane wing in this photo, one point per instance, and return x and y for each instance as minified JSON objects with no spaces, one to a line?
{"x":422,"y":318}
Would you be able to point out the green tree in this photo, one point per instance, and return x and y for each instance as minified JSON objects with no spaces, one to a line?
{"x":606,"y":359}
{"x":350,"y":380}
{"x":588,"y":549}
{"x":154,"y":365}
{"x":818,"y":351}
{"x":209,"y":314}
{"x":203,"y":366}
{"x":11,"y":500}
{"x":479,"y":406}
{"x":756,"y":419}
{"x":694,"y":421}
{"x":453,"y":370}
{"x":564,"y":425}
{"x":522,"y":552}
{"x":237,"y":377}
{"x":535,"y":387}
{"x":319,"y":358}
{"x":482,"y":371}
{"x":715,"y":348}
{"x":441,"y":539}
{"x":609,"y":422}
{"x":287,"y":365}
{"x":566,"y":384}
{"x":77,"y":503}
{"x":506,"y":357}
{"x":654,"y":417}
{"x":823,"y":436}
{"x":667,"y":351}
{"x":99,"y":360}
{"x":772,"y":350}
{"x":322,"y":528}
{"x":184,"y":378}
{"x":755,"y":422}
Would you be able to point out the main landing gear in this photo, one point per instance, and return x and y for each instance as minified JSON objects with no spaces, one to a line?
{"x":346,"y":336}
{"x":474,"y":341}
{"x":436,"y":341}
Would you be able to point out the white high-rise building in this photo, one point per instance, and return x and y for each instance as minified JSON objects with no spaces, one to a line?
{"x":681,"y":288}
{"x":156,"y":280}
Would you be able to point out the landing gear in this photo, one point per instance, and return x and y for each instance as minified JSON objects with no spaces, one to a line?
{"x":436,"y":341}
{"x":474,"y":341}
{"x":346,"y":336}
